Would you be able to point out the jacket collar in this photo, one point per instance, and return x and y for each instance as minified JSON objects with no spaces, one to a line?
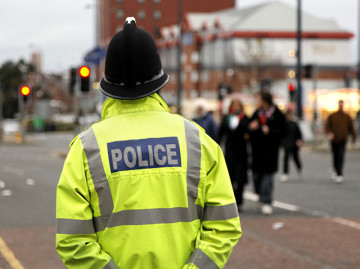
{"x":113,"y":107}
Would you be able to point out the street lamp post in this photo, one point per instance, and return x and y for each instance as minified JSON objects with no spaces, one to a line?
{"x":179,"y":52}
{"x":1,"y":114}
{"x":298,"y":67}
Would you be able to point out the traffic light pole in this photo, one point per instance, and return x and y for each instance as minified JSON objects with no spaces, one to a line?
{"x":21,"y":115}
{"x":315,"y":123}
{"x":298,"y":67}
{"x":1,"y":115}
{"x":179,"y":52}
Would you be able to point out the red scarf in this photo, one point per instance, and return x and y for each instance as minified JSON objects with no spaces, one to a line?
{"x":264,"y":115}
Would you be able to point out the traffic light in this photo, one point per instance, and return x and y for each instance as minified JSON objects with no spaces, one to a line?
{"x":265,"y":84}
{"x":84,"y":72}
{"x":308,"y":70}
{"x":291,"y":88}
{"x":25,"y":93}
{"x":72,"y":82}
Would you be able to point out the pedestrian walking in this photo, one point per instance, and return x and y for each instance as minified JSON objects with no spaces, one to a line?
{"x":266,"y":129}
{"x":143,"y":188}
{"x":204,"y":118}
{"x":338,"y":127}
{"x":233,"y":131}
{"x":291,"y":144}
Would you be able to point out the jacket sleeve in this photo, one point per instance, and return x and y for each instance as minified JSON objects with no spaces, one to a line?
{"x":328,"y":125}
{"x":299,"y":133}
{"x":220,"y":228}
{"x":76,"y":240}
{"x":221,"y":130}
{"x":352,"y":129}
{"x":278,"y":127}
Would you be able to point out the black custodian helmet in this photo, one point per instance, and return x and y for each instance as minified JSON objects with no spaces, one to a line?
{"x":133,"y":67}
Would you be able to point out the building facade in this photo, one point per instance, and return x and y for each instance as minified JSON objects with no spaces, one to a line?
{"x":150,"y":15}
{"x":253,"y":48}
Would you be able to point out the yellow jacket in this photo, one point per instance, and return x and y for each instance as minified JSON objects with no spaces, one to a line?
{"x":144,"y":189}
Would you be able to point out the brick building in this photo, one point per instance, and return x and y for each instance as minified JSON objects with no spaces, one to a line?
{"x":151,"y":15}
{"x":246,"y":49}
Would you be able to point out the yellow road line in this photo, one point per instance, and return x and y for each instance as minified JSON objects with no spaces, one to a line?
{"x":9,"y":255}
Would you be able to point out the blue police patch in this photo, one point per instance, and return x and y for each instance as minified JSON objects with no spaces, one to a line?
{"x":144,"y":154}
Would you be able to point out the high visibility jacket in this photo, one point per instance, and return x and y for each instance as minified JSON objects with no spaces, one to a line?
{"x":144,"y":189}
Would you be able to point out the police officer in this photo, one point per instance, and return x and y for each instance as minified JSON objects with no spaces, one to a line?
{"x":143,"y":188}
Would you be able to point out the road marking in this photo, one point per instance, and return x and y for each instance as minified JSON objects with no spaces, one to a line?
{"x":286,"y":206}
{"x":250,"y":196}
{"x":15,"y":171}
{"x":346,"y":222}
{"x":9,"y":256}
{"x":294,"y":208}
{"x":253,"y":197}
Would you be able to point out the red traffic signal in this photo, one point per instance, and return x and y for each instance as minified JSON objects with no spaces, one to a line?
{"x":291,"y":87}
{"x":84,"y":71}
{"x":25,"y":90}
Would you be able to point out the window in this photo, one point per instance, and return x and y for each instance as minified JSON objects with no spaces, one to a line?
{"x":194,"y":57}
{"x":120,"y":1}
{"x":205,"y":76}
{"x":141,"y":1}
{"x":157,"y":15}
{"x":141,"y":14}
{"x":187,"y":39}
{"x":120,"y":14}
{"x":194,"y":76}
{"x":157,"y":1}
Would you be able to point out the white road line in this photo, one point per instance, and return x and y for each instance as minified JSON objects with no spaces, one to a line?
{"x":346,"y":222}
{"x":253,"y":197}
{"x":250,"y":196}
{"x":286,"y":206}
{"x":294,"y":208}
{"x":15,"y":171}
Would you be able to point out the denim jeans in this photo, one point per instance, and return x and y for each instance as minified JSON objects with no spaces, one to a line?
{"x":263,"y":183}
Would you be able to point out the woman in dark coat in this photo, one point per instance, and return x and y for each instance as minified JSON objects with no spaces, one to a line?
{"x":266,"y":128}
{"x":232,"y":130}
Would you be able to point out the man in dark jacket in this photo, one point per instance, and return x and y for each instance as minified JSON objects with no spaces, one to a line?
{"x":291,"y":143}
{"x":338,"y":127}
{"x":266,"y":129}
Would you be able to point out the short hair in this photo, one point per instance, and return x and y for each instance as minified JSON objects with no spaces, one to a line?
{"x":266,"y":97}
{"x":236,"y":100}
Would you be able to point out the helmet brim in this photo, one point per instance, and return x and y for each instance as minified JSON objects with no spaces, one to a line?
{"x":132,"y":92}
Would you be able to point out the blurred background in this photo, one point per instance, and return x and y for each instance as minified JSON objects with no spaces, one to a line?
{"x":304,"y":52}
{"x":227,"y":48}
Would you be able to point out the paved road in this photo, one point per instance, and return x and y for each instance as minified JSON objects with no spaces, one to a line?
{"x":316,"y":223}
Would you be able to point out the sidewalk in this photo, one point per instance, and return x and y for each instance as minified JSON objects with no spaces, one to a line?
{"x":302,"y":243}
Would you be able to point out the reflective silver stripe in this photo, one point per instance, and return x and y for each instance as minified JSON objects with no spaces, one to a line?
{"x":111,"y":265}
{"x":73,"y":226}
{"x":97,"y":172}
{"x":143,"y":217}
{"x":193,"y":147}
{"x":201,"y":260}
{"x":220,"y":212}
{"x":147,"y":216}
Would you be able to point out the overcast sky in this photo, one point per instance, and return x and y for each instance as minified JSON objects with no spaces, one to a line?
{"x":63,"y":30}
